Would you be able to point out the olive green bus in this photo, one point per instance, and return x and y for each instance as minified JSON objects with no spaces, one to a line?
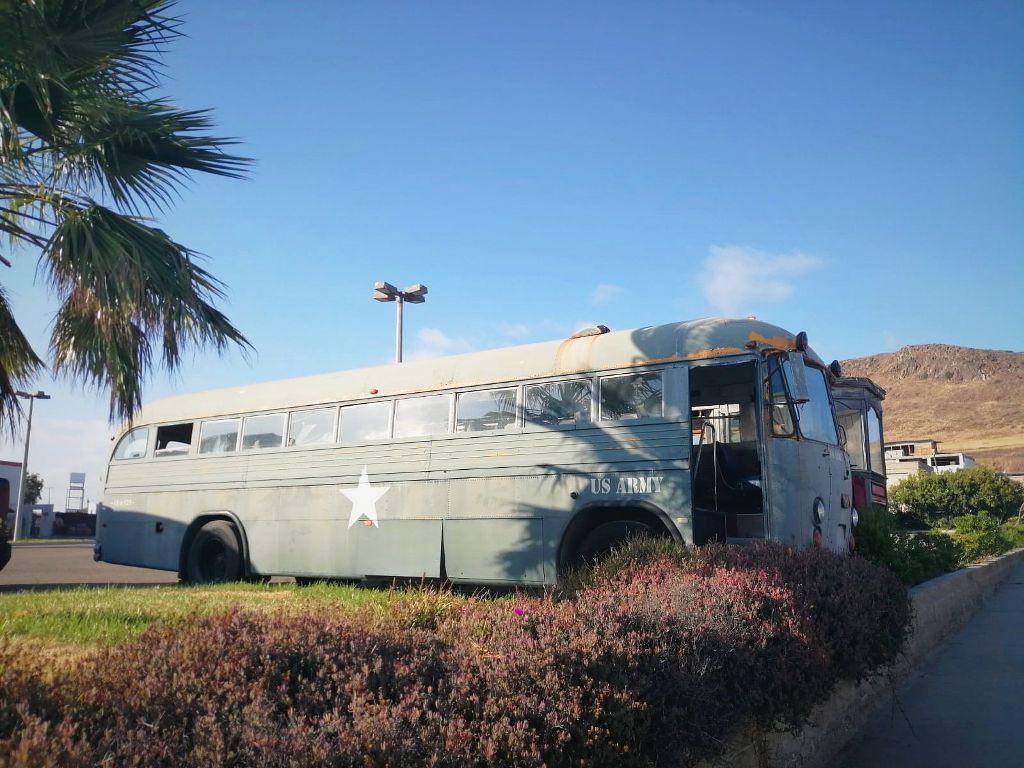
{"x":505,"y":466}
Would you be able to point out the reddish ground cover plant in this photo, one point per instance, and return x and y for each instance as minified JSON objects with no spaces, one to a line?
{"x":650,"y":660}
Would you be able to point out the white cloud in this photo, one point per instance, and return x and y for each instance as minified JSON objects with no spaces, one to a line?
{"x":604,"y":294}
{"x":514,"y":331}
{"x":736,"y":278}
{"x":433,"y":342}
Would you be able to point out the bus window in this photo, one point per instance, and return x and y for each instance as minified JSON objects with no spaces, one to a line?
{"x":219,"y":436}
{"x":725,"y":421}
{"x":558,"y":402}
{"x":634,"y":396}
{"x":133,"y":445}
{"x":364,"y":422}
{"x":173,"y":439}
{"x":312,"y":427}
{"x":875,"y":442}
{"x":419,"y":416}
{"x":487,"y":410}
{"x":782,"y":414}
{"x":852,"y":423}
{"x":265,"y":431}
{"x":815,"y":416}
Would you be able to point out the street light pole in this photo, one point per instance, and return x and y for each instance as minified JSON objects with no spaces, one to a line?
{"x":398,"y":328}
{"x":39,"y":395}
{"x":414,"y":294}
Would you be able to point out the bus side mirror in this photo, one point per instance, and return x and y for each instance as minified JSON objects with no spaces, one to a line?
{"x":798,"y":383}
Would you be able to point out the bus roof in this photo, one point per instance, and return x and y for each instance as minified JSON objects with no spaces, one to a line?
{"x":692,"y":340}
{"x":857,"y":385}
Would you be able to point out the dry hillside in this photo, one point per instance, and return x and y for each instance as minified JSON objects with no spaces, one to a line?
{"x":971,"y":400}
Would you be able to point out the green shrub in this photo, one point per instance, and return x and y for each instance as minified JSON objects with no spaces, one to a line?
{"x":1015,"y":533}
{"x":980,"y":536}
{"x":652,"y":663}
{"x":940,"y":496}
{"x":914,"y":556}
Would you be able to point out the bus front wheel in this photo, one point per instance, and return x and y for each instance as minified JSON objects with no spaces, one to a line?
{"x":609,"y":536}
{"x":214,"y":554}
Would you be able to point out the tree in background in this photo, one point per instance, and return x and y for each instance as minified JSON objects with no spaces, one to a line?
{"x":941,"y":496}
{"x":33,"y":489}
{"x":86,"y":148}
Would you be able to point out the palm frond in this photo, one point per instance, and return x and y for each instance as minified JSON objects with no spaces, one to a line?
{"x":141,"y":152}
{"x":127,"y":287}
{"x":18,"y":364}
{"x":77,"y":122}
{"x":53,"y":53}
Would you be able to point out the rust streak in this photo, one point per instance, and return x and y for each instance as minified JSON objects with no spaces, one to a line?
{"x":778,"y":342}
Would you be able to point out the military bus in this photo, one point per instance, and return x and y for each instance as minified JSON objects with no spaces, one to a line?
{"x":506,"y":466}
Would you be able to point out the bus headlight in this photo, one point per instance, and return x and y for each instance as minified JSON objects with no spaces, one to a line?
{"x":819,"y":511}
{"x":854,"y":517}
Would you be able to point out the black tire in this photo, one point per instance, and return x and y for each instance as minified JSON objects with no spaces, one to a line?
{"x":5,"y":551}
{"x":214,"y":555}
{"x":607,"y":536}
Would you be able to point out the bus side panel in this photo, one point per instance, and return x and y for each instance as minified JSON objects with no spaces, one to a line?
{"x":496,"y":549}
{"x":297,"y":530}
{"x":302,"y":522}
{"x":512,"y":496}
{"x":407,"y":538}
{"x":148,"y":505}
{"x":134,"y":537}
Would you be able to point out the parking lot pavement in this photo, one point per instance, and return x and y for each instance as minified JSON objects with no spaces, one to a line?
{"x":56,"y":564}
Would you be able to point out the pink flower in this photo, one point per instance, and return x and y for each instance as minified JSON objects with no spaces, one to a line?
{"x":519,"y":610}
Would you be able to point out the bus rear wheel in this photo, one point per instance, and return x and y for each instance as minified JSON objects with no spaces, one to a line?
{"x":609,"y":536}
{"x":214,"y":554}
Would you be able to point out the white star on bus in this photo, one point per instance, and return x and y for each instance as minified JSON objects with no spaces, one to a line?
{"x":364,"y":499}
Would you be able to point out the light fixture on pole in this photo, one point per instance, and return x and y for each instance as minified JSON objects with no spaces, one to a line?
{"x":40,"y":395}
{"x":414,"y":294}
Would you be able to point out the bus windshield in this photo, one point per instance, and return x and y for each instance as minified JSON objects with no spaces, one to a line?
{"x":814,"y":416}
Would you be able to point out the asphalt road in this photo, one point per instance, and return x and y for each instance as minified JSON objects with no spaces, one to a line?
{"x":35,"y":566}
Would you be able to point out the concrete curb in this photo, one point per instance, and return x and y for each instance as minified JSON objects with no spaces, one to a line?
{"x":941,"y":606}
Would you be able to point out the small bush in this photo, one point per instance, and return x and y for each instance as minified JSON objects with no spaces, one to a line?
{"x":651,"y":661}
{"x":936,"y":498}
{"x":914,"y":556}
{"x":980,"y":536}
{"x":1015,"y":533}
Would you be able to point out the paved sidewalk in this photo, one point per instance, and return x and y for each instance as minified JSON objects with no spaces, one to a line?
{"x":963,"y":704}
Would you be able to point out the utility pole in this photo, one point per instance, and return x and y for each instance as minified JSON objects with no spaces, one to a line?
{"x":18,"y":504}
{"x":414,"y":294}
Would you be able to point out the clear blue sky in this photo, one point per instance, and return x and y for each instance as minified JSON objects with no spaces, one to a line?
{"x":855,"y":170}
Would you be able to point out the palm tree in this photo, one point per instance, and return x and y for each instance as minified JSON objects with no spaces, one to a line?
{"x":88,"y":152}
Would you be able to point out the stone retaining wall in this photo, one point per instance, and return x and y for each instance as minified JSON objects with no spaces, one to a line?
{"x":941,"y":606}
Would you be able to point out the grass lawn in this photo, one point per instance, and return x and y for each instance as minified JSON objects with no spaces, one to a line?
{"x":86,"y":617}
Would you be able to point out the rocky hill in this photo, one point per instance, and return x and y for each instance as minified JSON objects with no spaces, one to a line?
{"x":971,"y":400}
